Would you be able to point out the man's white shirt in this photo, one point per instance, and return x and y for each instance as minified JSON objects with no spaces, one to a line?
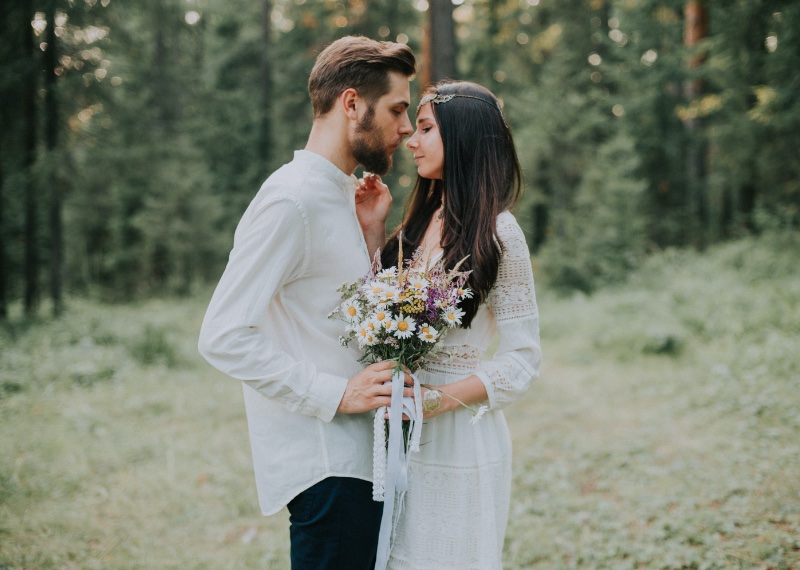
{"x":267,"y":325}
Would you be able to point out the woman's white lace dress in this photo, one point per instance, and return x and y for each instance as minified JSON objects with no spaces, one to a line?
{"x":456,"y":507}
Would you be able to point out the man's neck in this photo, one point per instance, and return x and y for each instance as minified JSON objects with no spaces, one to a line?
{"x":331,"y":144}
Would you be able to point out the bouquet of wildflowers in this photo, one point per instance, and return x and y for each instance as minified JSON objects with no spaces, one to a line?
{"x":401,"y":313}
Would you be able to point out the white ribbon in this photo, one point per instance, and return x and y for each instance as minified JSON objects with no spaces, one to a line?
{"x":390,"y":467}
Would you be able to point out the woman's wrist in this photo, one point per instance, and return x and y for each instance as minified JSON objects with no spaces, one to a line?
{"x":468,"y":393}
{"x":436,"y":400}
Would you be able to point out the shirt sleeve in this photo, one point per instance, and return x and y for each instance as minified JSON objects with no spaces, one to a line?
{"x":271,"y":249}
{"x":512,"y":300}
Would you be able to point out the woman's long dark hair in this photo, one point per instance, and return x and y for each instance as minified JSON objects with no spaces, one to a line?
{"x":481,"y":178}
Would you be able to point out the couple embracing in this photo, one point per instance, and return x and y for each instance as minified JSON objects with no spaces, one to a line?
{"x":310,"y":404}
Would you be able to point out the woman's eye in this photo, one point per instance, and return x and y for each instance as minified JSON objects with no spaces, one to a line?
{"x":426,"y":129}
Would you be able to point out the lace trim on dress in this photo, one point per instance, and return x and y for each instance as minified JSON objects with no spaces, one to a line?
{"x":454,"y":360}
{"x":507,"y":376}
{"x":512,"y":297}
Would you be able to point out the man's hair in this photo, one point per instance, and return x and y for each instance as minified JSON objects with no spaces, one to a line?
{"x":359,"y":63}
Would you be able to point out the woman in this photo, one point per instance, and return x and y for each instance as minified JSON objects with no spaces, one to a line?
{"x":456,"y":508}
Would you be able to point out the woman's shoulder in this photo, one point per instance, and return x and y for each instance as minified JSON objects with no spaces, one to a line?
{"x":508,"y":227}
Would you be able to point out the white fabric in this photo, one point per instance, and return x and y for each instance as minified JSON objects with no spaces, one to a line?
{"x":267,"y":325}
{"x":456,"y":507}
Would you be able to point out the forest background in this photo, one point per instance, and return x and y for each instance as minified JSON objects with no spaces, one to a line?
{"x":135,"y":133}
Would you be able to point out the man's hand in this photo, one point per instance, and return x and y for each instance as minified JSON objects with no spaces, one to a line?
{"x":373,"y":201}
{"x":372,"y":388}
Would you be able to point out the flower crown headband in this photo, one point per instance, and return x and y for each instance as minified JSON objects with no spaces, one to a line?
{"x":437,"y":98}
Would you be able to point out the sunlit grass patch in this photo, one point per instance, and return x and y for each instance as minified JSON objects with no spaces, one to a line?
{"x":628,"y":457}
{"x":145,"y":467}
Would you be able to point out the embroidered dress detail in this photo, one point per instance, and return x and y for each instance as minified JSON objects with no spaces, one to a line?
{"x":512,"y":297}
{"x":459,"y":360}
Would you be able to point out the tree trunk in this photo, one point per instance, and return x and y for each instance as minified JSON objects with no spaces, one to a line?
{"x":4,"y":17}
{"x":28,"y":160}
{"x":440,"y":46}
{"x":695,"y":29}
{"x":53,"y":179}
{"x":3,"y":263}
{"x":265,"y":128}
{"x":164,"y":95}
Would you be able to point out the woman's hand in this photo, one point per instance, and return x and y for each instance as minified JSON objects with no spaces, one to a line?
{"x":373,"y":201}
{"x":433,"y":403}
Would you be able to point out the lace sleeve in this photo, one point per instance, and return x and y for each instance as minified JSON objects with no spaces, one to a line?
{"x":512,"y":300}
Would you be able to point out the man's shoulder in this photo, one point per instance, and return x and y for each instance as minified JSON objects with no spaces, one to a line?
{"x":289,"y":176}
{"x":298,"y":179}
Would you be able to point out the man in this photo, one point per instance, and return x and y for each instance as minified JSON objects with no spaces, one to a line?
{"x":307,"y":399}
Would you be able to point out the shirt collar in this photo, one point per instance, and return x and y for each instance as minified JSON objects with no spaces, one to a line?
{"x":323,"y":165}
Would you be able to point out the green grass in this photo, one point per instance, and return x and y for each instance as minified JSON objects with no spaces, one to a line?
{"x":663,"y":434}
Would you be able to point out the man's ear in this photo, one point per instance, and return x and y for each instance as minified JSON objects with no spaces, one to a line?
{"x":348,"y":101}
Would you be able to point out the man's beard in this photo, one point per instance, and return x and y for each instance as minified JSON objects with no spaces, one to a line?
{"x":368,"y":148}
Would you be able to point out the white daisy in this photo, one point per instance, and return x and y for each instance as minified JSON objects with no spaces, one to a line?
{"x":389,"y":272}
{"x":414,"y":293}
{"x":418,"y":282}
{"x":452,"y":316}
{"x":370,"y":340}
{"x":478,"y":415}
{"x":351,"y":310}
{"x":465,"y":293}
{"x":383,"y":318}
{"x":362,"y":332}
{"x":375,"y":289}
{"x":390,"y":294}
{"x":428,"y":333}
{"x":404,"y":327}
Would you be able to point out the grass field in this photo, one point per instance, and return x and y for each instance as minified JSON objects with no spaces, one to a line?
{"x":663,"y":434}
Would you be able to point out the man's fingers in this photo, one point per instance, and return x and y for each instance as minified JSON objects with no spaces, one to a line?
{"x":383,"y":365}
{"x":383,"y":376}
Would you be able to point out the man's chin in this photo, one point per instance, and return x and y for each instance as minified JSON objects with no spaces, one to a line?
{"x":379,"y":168}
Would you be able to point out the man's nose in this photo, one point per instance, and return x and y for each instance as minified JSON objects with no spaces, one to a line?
{"x":405,"y":128}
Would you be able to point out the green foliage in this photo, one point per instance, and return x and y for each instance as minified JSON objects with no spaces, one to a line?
{"x":153,"y":347}
{"x":602,"y":237}
{"x":168,"y":125}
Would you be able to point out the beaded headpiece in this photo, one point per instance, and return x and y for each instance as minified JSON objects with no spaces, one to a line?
{"x":437,"y":98}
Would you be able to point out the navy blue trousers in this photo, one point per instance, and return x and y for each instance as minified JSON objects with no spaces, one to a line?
{"x":335,"y":526}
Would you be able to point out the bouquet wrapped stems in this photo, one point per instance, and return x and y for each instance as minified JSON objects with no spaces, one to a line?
{"x":391,"y":456}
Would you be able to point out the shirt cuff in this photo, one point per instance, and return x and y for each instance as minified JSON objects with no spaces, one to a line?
{"x":324,"y":396}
